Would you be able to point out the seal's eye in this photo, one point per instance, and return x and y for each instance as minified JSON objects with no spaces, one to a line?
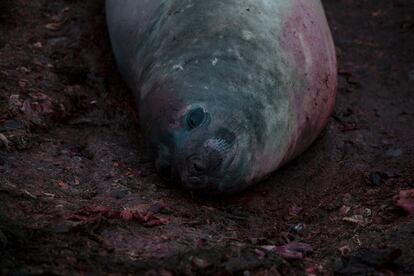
{"x":196,"y":117}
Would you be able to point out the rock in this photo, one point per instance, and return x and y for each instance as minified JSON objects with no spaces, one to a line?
{"x":15,"y":103}
{"x":298,"y":228}
{"x":200,"y":263}
{"x":357,"y":219}
{"x":394,"y":152}
{"x":54,"y":26}
{"x":375,"y":179}
{"x":38,"y":45}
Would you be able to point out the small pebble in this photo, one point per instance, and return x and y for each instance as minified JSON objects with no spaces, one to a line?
{"x":200,"y":263}
{"x":4,"y":141}
{"x":38,"y":45}
{"x":394,"y":152}
{"x":367,"y":212}
{"x":375,"y":179}
{"x":298,"y":228}
{"x":53,"y":26}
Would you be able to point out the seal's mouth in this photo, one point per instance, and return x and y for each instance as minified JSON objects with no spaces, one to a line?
{"x":205,"y":171}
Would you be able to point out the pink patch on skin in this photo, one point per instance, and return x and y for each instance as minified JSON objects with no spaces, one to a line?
{"x":307,"y":45}
{"x":165,"y":105}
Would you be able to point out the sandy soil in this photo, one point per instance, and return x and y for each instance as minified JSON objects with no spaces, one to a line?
{"x":79,"y":194}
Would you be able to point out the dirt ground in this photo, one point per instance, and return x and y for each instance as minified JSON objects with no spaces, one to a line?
{"x":79,"y":194}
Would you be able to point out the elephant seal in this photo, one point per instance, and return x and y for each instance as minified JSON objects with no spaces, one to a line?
{"x":227,"y":90}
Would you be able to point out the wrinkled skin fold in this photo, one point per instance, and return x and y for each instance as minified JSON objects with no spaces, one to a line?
{"x":227,"y":90}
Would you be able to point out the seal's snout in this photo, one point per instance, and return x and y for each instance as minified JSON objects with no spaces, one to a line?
{"x":196,"y":166}
{"x":204,"y":164}
{"x":203,"y":170}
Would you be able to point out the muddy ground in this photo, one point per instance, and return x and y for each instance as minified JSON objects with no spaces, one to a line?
{"x":79,"y":194}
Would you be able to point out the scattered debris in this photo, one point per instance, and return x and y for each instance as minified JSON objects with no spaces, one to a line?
{"x":291,"y":251}
{"x":15,"y":103}
{"x":294,"y":210}
{"x":39,"y":106}
{"x":298,"y":228}
{"x":405,"y":200}
{"x":49,"y":195}
{"x":127,"y":215}
{"x":38,"y":45}
{"x":200,"y":263}
{"x":62,"y":185}
{"x":357,"y":219}
{"x":54,"y":26}
{"x":36,"y":107}
{"x":312,"y":270}
{"x":367,"y":212}
{"x":348,"y":199}
{"x":144,"y":214}
{"x":29,"y":194}
{"x":146,"y":217}
{"x":344,"y":210}
{"x":345,"y":250}
{"x":260,"y":254}
{"x":4,"y":141}
{"x":346,"y":127}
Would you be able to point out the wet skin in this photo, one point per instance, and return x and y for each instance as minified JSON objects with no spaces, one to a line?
{"x":227,"y":91}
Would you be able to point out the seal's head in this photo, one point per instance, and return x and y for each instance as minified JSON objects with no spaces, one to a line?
{"x":202,"y":145}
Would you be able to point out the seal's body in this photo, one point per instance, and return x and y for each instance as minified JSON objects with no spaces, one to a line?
{"x":228,"y":90}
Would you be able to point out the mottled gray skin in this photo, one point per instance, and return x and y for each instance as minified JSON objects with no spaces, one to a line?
{"x":227,"y":90}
